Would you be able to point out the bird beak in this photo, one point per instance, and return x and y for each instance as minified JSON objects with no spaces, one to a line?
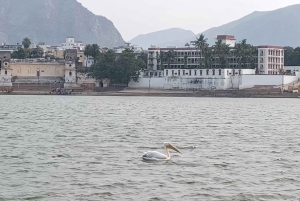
{"x":173,"y":148}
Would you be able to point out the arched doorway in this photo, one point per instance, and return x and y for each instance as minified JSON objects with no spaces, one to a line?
{"x":101,"y":84}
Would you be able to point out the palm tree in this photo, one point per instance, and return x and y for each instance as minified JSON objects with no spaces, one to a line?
{"x":169,"y":56}
{"x":224,"y":55}
{"x":218,"y":51}
{"x":208,"y":55}
{"x":200,"y":44}
{"x":160,"y":60}
{"x":88,"y":50}
{"x":222,"y":50}
{"x":240,"y":49}
{"x":95,"y":51}
{"x":26,"y":43}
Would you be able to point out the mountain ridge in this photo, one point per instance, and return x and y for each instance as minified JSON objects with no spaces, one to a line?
{"x":280,"y":27}
{"x":51,"y":21}
{"x":160,"y":37}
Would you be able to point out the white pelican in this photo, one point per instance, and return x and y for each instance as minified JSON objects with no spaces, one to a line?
{"x":157,"y":156}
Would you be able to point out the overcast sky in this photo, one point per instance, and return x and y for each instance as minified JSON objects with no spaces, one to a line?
{"x":134,"y":17}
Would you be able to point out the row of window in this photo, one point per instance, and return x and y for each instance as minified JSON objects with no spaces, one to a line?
{"x":272,"y":52}
{"x":213,"y":66}
{"x":201,"y":72}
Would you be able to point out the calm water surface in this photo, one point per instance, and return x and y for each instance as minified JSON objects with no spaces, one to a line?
{"x":89,"y":148}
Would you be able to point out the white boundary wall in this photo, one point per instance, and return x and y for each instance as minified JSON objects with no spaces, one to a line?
{"x":225,"y":80}
{"x":153,"y":82}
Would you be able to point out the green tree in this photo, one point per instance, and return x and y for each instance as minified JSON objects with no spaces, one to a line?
{"x":144,"y":57}
{"x":26,"y":43}
{"x":127,"y":67}
{"x":120,"y":70}
{"x":245,"y":53}
{"x":208,"y":56}
{"x":88,"y":50}
{"x":109,"y":56}
{"x":21,"y":53}
{"x":169,"y":56}
{"x":37,"y":52}
{"x":200,"y":44}
{"x":222,"y":51}
{"x":95,"y":51}
{"x":160,"y":61}
{"x":291,"y":56}
{"x":240,"y":52}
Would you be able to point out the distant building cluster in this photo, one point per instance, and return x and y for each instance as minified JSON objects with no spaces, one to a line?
{"x":60,"y":64}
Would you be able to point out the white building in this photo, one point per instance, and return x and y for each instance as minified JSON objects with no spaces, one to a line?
{"x":89,"y":61}
{"x":270,"y":59}
{"x":291,"y":70}
{"x":227,"y":39}
{"x":72,"y":44}
{"x":207,"y":79}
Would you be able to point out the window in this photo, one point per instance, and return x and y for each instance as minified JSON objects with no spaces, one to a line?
{"x":172,"y":72}
{"x":214,"y":72}
{"x":240,"y":72}
{"x":195,"y":72}
{"x":178,"y":72}
{"x":220,"y":71}
{"x":6,"y":72}
{"x":207,"y":72}
{"x":200,"y":72}
{"x":190,"y":72}
{"x":183,"y":72}
{"x":167,"y":72}
{"x":70,"y":73}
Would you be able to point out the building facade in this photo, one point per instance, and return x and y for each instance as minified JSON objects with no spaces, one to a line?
{"x":70,"y":68}
{"x":268,"y":59}
{"x":72,"y":44}
{"x":5,"y":69}
{"x":37,"y":71}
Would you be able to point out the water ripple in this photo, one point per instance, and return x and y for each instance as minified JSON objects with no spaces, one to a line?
{"x":89,"y":148}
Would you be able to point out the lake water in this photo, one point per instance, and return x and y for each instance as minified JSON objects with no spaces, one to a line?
{"x":90,"y":148}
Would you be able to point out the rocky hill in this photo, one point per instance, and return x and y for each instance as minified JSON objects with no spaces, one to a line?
{"x":51,"y":21}
{"x":279,"y":27}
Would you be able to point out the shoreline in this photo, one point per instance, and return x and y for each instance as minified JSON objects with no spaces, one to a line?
{"x":162,"y":93}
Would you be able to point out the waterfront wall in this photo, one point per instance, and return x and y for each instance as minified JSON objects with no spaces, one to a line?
{"x":236,"y":81}
{"x":249,"y":81}
{"x":143,"y":82}
{"x":30,"y":69}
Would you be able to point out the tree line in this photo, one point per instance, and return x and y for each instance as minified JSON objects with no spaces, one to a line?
{"x":219,"y":54}
{"x":27,"y":52}
{"x":119,"y":69}
{"x":291,"y":56}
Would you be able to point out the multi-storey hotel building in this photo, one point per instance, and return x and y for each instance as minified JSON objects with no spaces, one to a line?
{"x":269,"y":59}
